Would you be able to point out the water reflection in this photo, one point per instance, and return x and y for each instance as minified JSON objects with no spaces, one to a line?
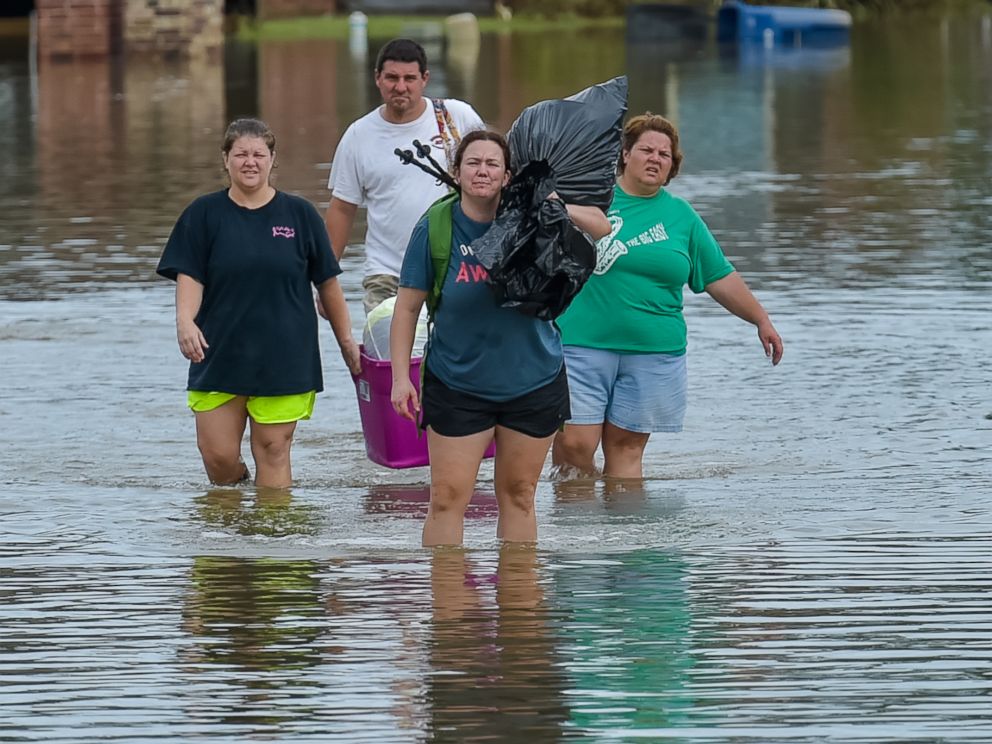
{"x":265,"y":513}
{"x":809,"y":561}
{"x":495,"y":673}
{"x":413,"y":500}
{"x":117,"y":151}
{"x":260,"y":614}
{"x":265,"y":616}
{"x":310,"y":112}
{"x":819,"y":59}
{"x":637,"y":499}
{"x":461,"y":60}
{"x":837,"y":150}
{"x":288,"y":644}
{"x":626,"y":644}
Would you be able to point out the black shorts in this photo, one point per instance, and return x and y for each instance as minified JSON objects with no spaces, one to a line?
{"x":539,"y":413}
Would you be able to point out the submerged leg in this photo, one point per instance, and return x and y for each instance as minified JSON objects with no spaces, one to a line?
{"x":218,"y":436}
{"x":623,"y":452}
{"x":270,"y":446}
{"x":454,"y":468}
{"x":574,"y":450}
{"x":519,"y":461}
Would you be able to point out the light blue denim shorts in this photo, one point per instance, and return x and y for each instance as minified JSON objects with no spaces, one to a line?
{"x":642,"y":393}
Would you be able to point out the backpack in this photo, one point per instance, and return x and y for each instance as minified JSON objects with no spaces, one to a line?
{"x":439,"y":232}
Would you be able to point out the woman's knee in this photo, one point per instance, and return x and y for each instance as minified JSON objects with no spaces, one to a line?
{"x":446,"y":497}
{"x":271,"y":444}
{"x":271,"y":450}
{"x":622,"y":442}
{"x":623,"y":452}
{"x":223,"y":463}
{"x":518,"y":495}
{"x":565,"y":443}
{"x":572,"y":448}
{"x":219,"y":455}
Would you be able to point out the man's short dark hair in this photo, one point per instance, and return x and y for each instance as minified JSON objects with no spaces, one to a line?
{"x":402,"y":50}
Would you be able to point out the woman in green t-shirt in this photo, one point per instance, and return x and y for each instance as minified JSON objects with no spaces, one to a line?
{"x":624,"y":334}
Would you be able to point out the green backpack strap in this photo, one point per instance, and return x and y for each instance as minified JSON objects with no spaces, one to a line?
{"x":439,"y":238}
{"x":439,"y":233}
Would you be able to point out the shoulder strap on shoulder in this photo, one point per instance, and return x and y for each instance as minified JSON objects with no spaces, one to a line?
{"x":440,"y":116}
{"x":450,"y":136}
{"x":450,"y":122}
{"x":439,"y":233}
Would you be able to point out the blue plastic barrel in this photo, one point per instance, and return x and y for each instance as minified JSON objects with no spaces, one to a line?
{"x":782,"y":25}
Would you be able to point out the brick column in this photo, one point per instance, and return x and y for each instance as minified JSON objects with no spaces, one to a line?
{"x":78,"y":29}
{"x":174,"y":28}
{"x":96,"y":29}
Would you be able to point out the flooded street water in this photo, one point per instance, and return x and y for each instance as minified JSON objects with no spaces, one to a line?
{"x":809,"y":561}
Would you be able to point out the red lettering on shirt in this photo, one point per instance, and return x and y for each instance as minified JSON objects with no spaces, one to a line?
{"x":472,"y":273}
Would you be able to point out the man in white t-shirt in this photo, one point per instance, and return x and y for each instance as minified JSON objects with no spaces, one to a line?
{"x":366,"y":171}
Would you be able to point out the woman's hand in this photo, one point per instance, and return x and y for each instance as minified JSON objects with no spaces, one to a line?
{"x":733,"y":293}
{"x":771,"y":341}
{"x":351,"y":355}
{"x":192,"y":343}
{"x":404,"y":398}
{"x":401,"y":334}
{"x":189,"y":296}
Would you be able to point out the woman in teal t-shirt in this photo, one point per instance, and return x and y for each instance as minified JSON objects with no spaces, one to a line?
{"x":624,"y":334}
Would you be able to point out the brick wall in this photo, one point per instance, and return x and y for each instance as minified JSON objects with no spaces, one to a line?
{"x":174,"y":28}
{"x":78,"y":29}
{"x":96,"y":29}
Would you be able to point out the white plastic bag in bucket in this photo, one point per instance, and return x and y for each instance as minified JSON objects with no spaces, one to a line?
{"x":376,"y":334}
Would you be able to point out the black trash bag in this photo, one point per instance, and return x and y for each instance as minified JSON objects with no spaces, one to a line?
{"x":536,"y":257}
{"x":579,"y":137}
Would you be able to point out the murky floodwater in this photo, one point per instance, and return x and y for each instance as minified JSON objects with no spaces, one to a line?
{"x":809,"y":561}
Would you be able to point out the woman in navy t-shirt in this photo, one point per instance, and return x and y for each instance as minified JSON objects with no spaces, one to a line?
{"x":244,"y":261}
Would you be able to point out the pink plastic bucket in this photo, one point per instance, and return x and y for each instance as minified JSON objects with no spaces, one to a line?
{"x":390,"y":439}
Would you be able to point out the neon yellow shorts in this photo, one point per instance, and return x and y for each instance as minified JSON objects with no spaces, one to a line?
{"x":263,"y":409}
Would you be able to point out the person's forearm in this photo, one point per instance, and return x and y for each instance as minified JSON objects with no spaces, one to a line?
{"x":733,"y":294}
{"x":401,"y":335}
{"x":332,"y":298}
{"x":189,"y":297}
{"x":339,"y":218}
{"x":406,"y":314}
{"x":590,"y":219}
